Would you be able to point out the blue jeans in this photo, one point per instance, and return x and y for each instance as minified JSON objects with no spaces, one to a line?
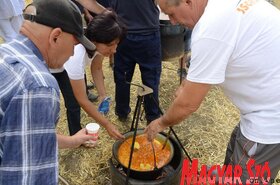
{"x":73,"y":109}
{"x":144,"y":50}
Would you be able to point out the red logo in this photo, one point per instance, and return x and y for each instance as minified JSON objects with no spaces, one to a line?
{"x":226,"y":174}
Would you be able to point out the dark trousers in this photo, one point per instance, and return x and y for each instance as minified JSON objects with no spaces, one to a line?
{"x":73,"y":109}
{"x":144,"y":50}
{"x":87,"y":89}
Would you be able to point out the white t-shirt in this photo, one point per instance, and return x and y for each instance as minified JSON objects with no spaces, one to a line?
{"x":58,"y":70}
{"x":239,"y":48}
{"x":75,"y":66}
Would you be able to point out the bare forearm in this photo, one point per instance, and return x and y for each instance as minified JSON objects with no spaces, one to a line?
{"x":65,"y":141}
{"x":92,"y":5}
{"x":98,"y":76}
{"x":188,"y":100}
{"x":79,"y":90}
{"x":99,"y":83}
{"x":175,"y":114}
{"x":91,"y":110}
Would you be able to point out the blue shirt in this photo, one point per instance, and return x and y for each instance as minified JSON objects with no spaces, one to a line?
{"x":11,"y":8}
{"x":29,"y":109}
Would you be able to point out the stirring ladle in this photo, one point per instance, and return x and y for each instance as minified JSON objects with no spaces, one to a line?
{"x":166,"y":139}
{"x":155,"y":163}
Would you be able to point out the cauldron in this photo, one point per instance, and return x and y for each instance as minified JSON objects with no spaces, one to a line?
{"x":143,"y":174}
{"x":172,"y":41}
{"x":171,"y":174}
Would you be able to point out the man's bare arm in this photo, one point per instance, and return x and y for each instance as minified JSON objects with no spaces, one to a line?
{"x":92,"y":5}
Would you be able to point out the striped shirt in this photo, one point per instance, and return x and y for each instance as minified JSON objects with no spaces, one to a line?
{"x":29,"y":111}
{"x":11,"y":8}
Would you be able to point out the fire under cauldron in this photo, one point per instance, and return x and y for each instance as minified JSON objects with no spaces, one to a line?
{"x":169,"y":174}
{"x":172,"y":41}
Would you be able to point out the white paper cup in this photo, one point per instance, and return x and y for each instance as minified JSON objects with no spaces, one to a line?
{"x":93,"y":129}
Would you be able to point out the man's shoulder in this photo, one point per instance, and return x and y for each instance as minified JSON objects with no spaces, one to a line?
{"x":16,"y":79}
{"x":25,"y":69}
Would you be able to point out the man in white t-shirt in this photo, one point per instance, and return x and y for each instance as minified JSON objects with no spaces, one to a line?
{"x":234,"y":44}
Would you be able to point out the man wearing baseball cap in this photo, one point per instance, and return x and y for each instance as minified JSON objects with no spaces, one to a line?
{"x":29,"y":94}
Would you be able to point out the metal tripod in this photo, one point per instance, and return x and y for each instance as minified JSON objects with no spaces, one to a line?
{"x":142,"y":91}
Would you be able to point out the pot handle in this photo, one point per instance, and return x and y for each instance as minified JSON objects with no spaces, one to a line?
{"x":115,"y":162}
{"x":168,"y":169}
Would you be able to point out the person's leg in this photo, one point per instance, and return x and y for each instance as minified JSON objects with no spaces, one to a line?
{"x":245,"y":151}
{"x":182,"y":71}
{"x":188,"y":36}
{"x":184,"y":61}
{"x":73,"y":109}
{"x":150,"y":65}
{"x":151,"y":78}
{"x":230,"y":146}
{"x":111,"y":61}
{"x":91,"y":96}
{"x":124,"y":66}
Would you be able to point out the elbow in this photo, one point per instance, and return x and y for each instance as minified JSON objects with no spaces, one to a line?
{"x":189,"y":109}
{"x":193,"y":108}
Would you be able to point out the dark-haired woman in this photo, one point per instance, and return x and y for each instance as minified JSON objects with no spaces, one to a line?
{"x":105,"y":31}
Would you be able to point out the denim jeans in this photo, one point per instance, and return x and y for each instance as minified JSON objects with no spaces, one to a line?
{"x":73,"y":109}
{"x":144,"y":50}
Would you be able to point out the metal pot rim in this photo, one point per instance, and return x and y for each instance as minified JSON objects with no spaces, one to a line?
{"x":139,"y":132}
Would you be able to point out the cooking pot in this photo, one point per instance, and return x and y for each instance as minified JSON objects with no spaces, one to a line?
{"x":147,"y":174}
{"x":172,"y":40}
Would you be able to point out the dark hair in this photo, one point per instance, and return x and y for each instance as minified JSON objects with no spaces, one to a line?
{"x":105,"y":28}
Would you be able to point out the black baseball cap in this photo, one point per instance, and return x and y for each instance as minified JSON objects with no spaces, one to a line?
{"x":62,"y":14}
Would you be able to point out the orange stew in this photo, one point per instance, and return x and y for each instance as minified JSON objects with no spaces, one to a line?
{"x":143,"y":157}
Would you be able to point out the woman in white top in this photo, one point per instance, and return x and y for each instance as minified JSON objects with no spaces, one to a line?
{"x":105,"y":31}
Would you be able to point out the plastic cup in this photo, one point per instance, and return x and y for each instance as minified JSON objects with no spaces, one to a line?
{"x":93,"y":129}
